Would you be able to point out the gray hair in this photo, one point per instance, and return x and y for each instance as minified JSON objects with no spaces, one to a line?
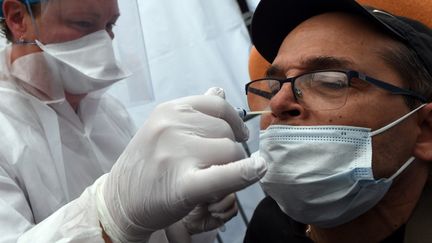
{"x":408,"y":65}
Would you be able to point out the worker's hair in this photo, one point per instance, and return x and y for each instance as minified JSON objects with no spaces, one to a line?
{"x":4,"y":29}
{"x":408,"y":65}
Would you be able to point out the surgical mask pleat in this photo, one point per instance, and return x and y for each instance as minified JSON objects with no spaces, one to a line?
{"x":87,"y":64}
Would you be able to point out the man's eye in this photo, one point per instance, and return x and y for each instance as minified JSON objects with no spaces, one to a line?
{"x":338,"y":84}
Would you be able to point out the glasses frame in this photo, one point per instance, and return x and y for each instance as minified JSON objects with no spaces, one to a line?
{"x":350,"y":75}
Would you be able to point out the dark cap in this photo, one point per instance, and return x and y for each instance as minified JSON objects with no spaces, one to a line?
{"x":274,"y":19}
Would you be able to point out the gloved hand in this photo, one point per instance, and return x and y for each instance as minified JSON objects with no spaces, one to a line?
{"x":203,"y":218}
{"x":212,"y":216}
{"x":184,"y":155}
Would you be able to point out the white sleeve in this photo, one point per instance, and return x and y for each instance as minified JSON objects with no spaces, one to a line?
{"x":77,"y":221}
{"x":15,"y":213}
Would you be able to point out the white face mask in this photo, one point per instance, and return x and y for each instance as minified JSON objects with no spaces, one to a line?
{"x":322,"y":175}
{"x":85,"y":64}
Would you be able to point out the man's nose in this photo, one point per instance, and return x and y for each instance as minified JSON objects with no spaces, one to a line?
{"x":284,"y":104}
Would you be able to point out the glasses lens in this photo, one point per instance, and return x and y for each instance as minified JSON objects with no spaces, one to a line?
{"x":322,"y":90}
{"x":260,"y":92}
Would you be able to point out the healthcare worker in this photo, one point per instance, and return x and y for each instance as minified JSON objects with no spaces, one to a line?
{"x":61,"y":135}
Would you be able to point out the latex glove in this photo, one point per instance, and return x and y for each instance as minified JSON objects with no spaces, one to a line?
{"x":185,"y":154}
{"x":212,"y":216}
{"x":203,"y":218}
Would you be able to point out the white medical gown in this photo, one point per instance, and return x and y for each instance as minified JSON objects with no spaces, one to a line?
{"x":49,"y":155}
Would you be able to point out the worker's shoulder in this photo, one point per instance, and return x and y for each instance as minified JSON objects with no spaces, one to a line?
{"x":20,"y":121}
{"x":16,"y":106}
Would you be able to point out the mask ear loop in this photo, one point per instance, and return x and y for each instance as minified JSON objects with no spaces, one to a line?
{"x":50,"y":102}
{"x":388,"y":126}
{"x":22,"y":41}
{"x":402,"y":168}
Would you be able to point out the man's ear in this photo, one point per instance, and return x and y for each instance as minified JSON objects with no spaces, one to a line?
{"x":423,"y":146}
{"x":14,"y":13}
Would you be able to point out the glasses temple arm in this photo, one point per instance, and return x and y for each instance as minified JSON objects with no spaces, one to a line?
{"x":394,"y":89}
{"x":259,"y":92}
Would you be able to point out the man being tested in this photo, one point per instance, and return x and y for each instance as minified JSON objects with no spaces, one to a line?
{"x":349,"y":139}
{"x":60,"y":136}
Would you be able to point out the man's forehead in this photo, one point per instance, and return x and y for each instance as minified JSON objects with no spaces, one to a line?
{"x":330,"y":40}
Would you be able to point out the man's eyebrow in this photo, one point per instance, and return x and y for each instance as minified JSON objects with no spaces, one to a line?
{"x":274,"y":70}
{"x":326,"y":62}
{"x":312,"y":64}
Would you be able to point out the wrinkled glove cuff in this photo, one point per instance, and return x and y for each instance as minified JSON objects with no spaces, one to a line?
{"x":116,"y":234}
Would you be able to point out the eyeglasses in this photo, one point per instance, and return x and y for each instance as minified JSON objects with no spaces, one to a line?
{"x":318,"y":90}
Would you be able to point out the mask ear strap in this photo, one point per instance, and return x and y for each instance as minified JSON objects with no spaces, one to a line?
{"x":49,"y":102}
{"x":402,"y":168}
{"x":22,"y":41}
{"x":388,"y":126}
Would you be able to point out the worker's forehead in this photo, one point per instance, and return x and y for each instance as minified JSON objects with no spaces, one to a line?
{"x":84,"y":5}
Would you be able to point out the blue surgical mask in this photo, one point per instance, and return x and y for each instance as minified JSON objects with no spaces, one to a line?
{"x":322,"y":175}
